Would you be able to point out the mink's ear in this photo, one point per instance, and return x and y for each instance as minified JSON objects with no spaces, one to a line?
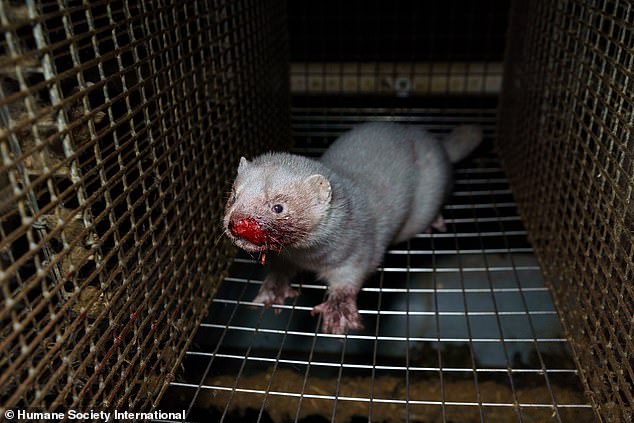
{"x":319,"y":185}
{"x":243,"y":164}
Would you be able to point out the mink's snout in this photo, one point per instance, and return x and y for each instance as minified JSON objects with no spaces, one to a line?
{"x":248,"y":229}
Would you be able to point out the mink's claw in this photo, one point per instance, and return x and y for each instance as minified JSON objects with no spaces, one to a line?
{"x":271,"y":293}
{"x":339,"y":313}
{"x":438,"y":224}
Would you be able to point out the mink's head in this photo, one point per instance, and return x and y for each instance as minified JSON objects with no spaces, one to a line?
{"x":274,"y":205}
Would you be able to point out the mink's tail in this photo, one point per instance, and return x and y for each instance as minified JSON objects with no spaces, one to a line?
{"x":462,"y":141}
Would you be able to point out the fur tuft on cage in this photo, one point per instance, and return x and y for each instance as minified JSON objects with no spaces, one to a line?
{"x":119,"y":123}
{"x":567,"y":142}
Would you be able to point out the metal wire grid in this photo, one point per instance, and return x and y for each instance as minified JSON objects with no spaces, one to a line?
{"x":567,"y":142}
{"x":120,"y":122}
{"x":448,"y":318}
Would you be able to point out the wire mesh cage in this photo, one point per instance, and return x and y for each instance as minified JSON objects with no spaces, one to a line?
{"x":119,"y":120}
{"x":122,"y":126}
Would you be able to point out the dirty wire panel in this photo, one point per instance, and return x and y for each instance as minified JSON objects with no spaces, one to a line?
{"x":567,"y":143}
{"x":121,"y":123}
{"x":459,"y":326}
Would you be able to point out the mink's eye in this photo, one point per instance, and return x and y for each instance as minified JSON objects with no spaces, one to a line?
{"x":278,"y":208}
{"x":232,"y":198}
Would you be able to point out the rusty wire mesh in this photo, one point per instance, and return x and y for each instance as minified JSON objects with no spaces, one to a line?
{"x":567,"y":140}
{"x":122,"y":123}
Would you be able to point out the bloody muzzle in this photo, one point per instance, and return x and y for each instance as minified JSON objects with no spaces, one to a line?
{"x":248,"y":229}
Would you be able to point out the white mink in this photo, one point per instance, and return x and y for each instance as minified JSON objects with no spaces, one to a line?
{"x":378,"y":184}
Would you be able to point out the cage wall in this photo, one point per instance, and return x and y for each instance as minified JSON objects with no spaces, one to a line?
{"x":567,"y":142}
{"x":121,"y":123}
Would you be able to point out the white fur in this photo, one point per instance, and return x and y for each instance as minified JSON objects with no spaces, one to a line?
{"x":377,"y":184}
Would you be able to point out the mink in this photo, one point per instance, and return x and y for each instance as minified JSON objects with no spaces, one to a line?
{"x":378,"y":184}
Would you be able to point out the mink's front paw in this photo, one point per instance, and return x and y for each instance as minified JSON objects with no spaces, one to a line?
{"x":339,"y":312}
{"x":274,"y":293}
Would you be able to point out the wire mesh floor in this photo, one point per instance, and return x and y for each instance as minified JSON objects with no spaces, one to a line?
{"x":458,"y":325}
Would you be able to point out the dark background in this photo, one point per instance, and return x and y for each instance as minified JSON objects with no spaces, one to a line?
{"x":380,"y":30}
